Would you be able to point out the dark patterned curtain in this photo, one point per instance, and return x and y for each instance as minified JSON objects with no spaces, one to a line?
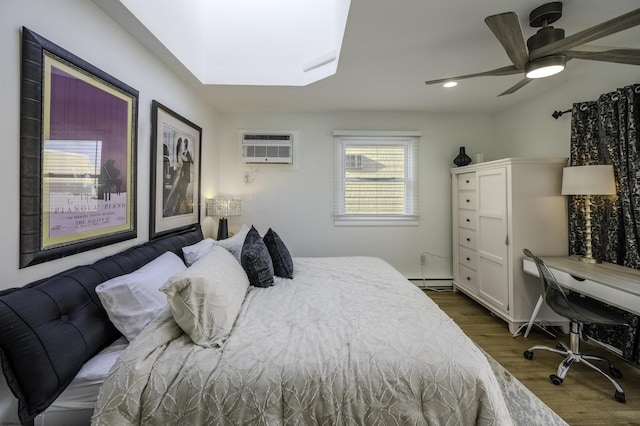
{"x":605,"y":132}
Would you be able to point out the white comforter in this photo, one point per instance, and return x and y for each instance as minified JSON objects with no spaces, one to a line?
{"x":347,"y":341}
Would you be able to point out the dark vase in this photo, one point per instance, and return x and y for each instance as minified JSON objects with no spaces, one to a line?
{"x":462,"y":159}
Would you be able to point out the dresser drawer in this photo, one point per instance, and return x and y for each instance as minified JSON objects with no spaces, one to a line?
{"x":466,"y":181}
{"x":467,"y":238}
{"x":467,"y":200}
{"x":467,"y":219}
{"x":467,"y":276}
{"x":467,"y":257}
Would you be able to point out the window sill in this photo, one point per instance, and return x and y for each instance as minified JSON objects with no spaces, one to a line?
{"x":389,"y":221}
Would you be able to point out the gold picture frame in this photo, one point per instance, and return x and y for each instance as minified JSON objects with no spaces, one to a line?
{"x":78,"y":138}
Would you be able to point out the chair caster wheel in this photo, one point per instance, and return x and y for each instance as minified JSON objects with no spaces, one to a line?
{"x":558,"y":381}
{"x":615,"y":372}
{"x":528,"y":355}
{"x":620,"y":397}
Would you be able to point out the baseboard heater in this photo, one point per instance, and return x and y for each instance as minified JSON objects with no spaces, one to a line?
{"x":438,"y":283}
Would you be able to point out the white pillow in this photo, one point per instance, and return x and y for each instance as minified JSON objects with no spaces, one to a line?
{"x":194,"y":252}
{"x":132,"y":301}
{"x":234,"y":244}
{"x":97,"y":368}
{"x":206,"y":298}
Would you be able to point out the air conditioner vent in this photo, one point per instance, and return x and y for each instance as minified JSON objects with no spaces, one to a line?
{"x":267,"y":148}
{"x":267,"y":138}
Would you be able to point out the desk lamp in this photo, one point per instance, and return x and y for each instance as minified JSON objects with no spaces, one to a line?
{"x":588,"y":181}
{"x":223,"y":207}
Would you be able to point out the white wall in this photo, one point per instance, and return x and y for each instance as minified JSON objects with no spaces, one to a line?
{"x":83,"y":29}
{"x":298,"y":204}
{"x":529,"y":130}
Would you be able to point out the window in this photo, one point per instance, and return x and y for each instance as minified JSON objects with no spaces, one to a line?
{"x":376,"y":178}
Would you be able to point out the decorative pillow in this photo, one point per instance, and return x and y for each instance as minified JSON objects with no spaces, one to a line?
{"x":256,"y":260}
{"x":206,"y":298}
{"x":132,"y":301}
{"x":234,"y":244}
{"x":194,"y":252}
{"x":280,"y":256}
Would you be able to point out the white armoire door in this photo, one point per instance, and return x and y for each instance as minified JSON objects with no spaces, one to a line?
{"x":492,"y":248}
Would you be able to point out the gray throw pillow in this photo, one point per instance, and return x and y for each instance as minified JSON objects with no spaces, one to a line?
{"x":280,"y":256}
{"x":256,"y":260}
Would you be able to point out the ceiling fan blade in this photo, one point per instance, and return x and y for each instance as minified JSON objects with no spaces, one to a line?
{"x":506,"y":27}
{"x":508,"y":70}
{"x":606,"y":54}
{"x":612,"y":26}
{"x":515,"y":87}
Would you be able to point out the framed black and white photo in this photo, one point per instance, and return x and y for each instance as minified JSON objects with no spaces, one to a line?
{"x":175,"y":171}
{"x":78,"y":128}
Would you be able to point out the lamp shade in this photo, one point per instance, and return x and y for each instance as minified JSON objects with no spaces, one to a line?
{"x":588,"y":180}
{"x":234,"y":207}
{"x":224,"y":207}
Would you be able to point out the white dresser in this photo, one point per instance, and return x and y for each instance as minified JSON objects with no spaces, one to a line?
{"x":499,"y":208}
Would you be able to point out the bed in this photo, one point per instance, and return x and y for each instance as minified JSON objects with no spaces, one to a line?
{"x":51,"y":328}
{"x":343,"y":340}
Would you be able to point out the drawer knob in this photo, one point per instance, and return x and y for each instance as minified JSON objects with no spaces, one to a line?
{"x":468,"y":259}
{"x":467,"y":181}
{"x":468,"y":239}
{"x":468,"y":220}
{"x":468,"y":278}
{"x":468,"y":200}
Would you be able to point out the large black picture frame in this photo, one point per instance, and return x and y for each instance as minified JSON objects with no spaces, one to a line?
{"x":77,"y":162}
{"x":176,"y":145}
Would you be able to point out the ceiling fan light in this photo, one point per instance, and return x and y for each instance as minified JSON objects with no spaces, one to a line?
{"x":545,"y":66}
{"x":450,"y":84}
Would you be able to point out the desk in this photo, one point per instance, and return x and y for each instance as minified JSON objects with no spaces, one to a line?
{"x":612,"y":284}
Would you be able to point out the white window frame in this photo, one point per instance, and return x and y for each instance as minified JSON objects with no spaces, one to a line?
{"x":343,"y":139}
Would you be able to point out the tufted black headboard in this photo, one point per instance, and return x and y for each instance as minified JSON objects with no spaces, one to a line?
{"x":51,"y":327}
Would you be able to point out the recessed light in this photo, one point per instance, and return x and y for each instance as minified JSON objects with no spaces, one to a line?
{"x":450,"y":84}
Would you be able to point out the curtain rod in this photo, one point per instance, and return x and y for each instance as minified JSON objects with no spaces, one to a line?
{"x":557,"y":114}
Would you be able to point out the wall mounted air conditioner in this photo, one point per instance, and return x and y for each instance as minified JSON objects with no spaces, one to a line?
{"x":264,"y":148}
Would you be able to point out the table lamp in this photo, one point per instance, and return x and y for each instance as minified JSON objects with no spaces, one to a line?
{"x":223,"y":207}
{"x":588,"y":181}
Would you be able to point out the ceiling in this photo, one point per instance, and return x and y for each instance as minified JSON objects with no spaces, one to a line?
{"x":391,"y":47}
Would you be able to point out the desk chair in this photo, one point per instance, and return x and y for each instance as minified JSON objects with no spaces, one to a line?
{"x":579,"y":311}
{"x":529,"y":325}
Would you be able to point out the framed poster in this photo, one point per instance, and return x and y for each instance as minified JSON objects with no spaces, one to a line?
{"x":77,"y":154}
{"x":175,"y":171}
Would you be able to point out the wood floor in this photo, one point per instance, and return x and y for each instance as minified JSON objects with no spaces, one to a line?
{"x":585,"y":397}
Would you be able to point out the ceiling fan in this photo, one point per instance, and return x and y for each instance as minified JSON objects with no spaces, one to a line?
{"x":546,"y":52}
